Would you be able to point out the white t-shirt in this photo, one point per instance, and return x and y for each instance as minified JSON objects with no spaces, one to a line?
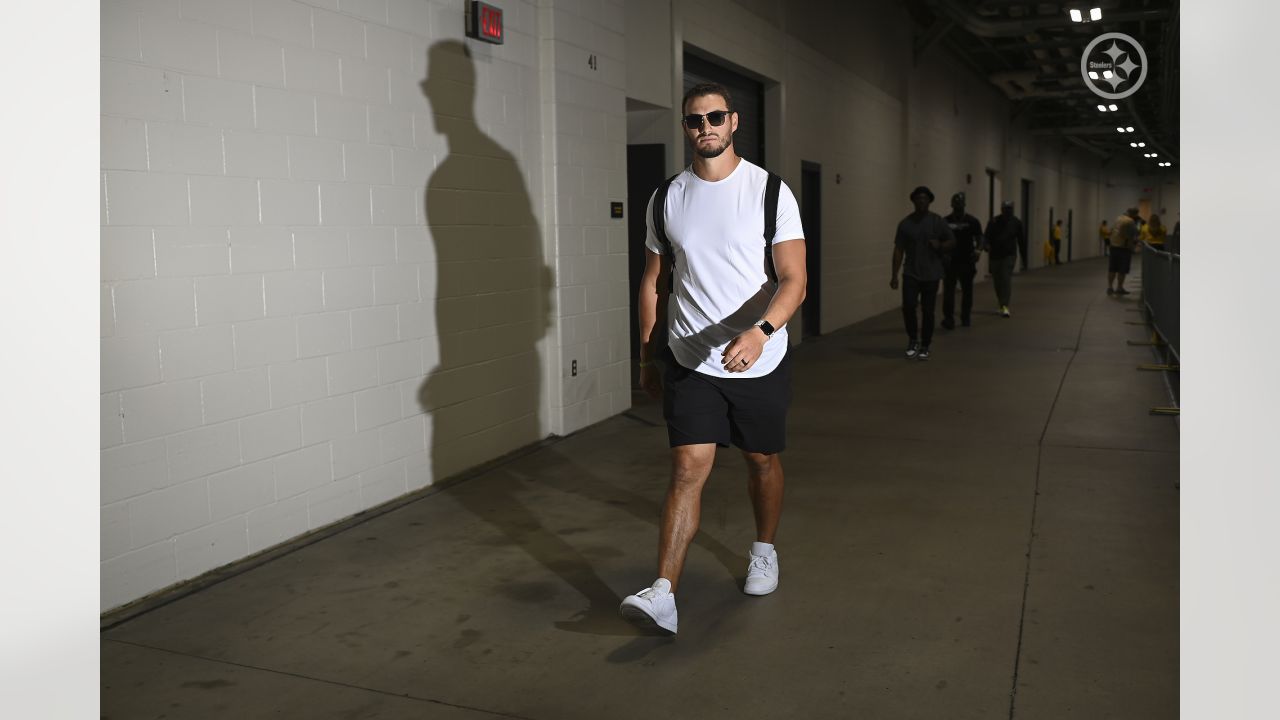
{"x":722,"y":288}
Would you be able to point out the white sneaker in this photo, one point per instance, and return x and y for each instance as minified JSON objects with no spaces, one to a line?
{"x":762,"y":572}
{"x":652,"y":608}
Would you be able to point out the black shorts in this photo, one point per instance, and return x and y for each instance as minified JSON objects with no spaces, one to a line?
{"x":750,"y":413}
{"x":1120,"y":258}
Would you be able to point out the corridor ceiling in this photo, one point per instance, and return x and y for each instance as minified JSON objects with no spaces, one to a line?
{"x":1032,"y":52}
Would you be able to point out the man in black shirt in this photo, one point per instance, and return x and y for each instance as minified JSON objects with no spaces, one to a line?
{"x":922,"y":239}
{"x":1004,"y":236}
{"x":963,"y":265}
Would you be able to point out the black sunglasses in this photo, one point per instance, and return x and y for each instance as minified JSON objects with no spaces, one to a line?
{"x":715,"y":118}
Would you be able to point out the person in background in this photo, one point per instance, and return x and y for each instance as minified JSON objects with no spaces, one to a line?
{"x":1004,"y":236}
{"x":963,"y":265}
{"x":1104,"y":236}
{"x":922,"y":240}
{"x":1154,"y":233}
{"x":1124,"y":237}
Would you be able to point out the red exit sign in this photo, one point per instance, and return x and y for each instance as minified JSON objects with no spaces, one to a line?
{"x":485,"y":23}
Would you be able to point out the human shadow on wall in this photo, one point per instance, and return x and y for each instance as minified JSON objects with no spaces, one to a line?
{"x":492,"y":288}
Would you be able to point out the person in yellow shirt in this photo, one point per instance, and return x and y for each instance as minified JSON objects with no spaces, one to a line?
{"x":1154,"y":233}
{"x":1104,"y":235}
{"x":1057,"y":243}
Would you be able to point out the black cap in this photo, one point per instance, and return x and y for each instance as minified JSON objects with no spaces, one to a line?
{"x":921,"y":189}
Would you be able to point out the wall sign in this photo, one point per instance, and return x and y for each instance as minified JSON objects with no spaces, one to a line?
{"x":484,"y":22}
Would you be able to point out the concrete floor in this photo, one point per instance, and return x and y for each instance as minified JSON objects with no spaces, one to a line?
{"x":990,"y":534}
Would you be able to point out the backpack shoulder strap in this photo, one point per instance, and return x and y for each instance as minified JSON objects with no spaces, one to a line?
{"x":772,"y":187}
{"x":659,"y":217}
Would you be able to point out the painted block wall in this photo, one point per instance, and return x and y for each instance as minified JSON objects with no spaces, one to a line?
{"x":583,"y":75}
{"x":330,"y":261}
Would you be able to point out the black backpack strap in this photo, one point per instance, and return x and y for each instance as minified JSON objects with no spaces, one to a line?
{"x":772,"y":187}
{"x":659,"y":217}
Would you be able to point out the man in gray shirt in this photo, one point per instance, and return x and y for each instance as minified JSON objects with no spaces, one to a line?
{"x":922,"y":240}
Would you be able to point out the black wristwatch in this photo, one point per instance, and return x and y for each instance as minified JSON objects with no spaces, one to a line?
{"x":765,"y":327}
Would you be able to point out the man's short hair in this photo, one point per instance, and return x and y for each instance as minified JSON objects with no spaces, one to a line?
{"x":709,"y":88}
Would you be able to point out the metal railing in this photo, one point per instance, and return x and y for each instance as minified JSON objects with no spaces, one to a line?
{"x":1160,"y":305}
{"x":1160,"y":290}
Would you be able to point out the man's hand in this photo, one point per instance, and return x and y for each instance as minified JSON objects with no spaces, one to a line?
{"x":651,"y":380}
{"x":893,"y":282}
{"x":744,"y":350}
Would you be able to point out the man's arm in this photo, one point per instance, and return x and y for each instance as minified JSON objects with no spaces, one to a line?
{"x":948,"y":241}
{"x":653,"y":289}
{"x":793,"y":281}
{"x":897,"y":265}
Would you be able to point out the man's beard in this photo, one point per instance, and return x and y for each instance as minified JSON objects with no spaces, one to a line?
{"x":711,"y":152}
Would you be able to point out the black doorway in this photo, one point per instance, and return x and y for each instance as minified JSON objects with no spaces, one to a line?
{"x":1026,"y":220}
{"x":811,"y":218}
{"x":646,"y":169}
{"x":1070,"y":213}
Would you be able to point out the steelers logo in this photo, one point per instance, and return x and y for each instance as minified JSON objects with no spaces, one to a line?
{"x":1114,"y":66}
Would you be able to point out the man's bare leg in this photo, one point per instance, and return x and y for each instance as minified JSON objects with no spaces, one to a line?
{"x":765,"y":486}
{"x":690,"y":467}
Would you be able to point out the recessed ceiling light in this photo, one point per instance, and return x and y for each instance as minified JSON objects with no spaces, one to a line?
{"x":1093,"y":75}
{"x":1095,"y":14}
{"x":1102,"y":108}
{"x":1133,"y":144}
{"x":1119,"y":130}
{"x":1076,"y":16}
{"x":1128,"y":129}
{"x":1142,"y":144}
{"x":1106,"y":74}
{"x":1113,"y":108}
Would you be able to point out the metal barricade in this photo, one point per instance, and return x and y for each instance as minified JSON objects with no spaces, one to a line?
{"x":1160,"y":295}
{"x":1160,"y":288}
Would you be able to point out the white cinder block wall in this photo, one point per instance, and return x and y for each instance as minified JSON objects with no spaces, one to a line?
{"x":326,"y":283}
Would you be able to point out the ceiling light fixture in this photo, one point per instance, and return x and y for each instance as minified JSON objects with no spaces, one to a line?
{"x":1095,"y":14}
{"x":1076,"y":16}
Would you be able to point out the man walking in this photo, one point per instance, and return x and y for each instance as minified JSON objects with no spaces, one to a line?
{"x":1004,"y":236}
{"x":727,"y":372}
{"x":963,"y":265}
{"x":922,"y":240}
{"x":1124,"y":236}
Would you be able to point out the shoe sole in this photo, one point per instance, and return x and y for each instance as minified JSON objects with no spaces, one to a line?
{"x":643,"y":620}
{"x":760,"y":592}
